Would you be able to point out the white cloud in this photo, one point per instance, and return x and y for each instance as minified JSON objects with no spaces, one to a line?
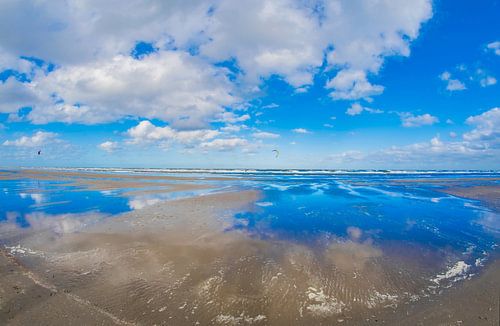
{"x":230,"y":117}
{"x":225,"y":144}
{"x":146,"y":132}
{"x":206,"y":139}
{"x":67,"y":32}
{"x":357,"y":108}
{"x":488,"y":81}
{"x":479,"y":146}
{"x":171,"y":86}
{"x":494,"y":47}
{"x":38,"y":139}
{"x":487,"y":127}
{"x":96,"y":81}
{"x":10,"y":61}
{"x":301,"y":131}
{"x":453,"y":134}
{"x":15,"y":95}
{"x":266,"y":37}
{"x":409,"y":120}
{"x":302,"y":90}
{"x":352,"y":85}
{"x":452,"y":84}
{"x":233,"y":128}
{"x":364,"y":32}
{"x":484,"y":78}
{"x":109,"y":146}
{"x":455,"y":85}
{"x":271,"y":106}
{"x":445,"y":75}
{"x":265,"y":135}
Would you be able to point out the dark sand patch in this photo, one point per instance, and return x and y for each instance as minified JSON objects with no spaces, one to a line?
{"x":58,"y":175}
{"x":490,"y":195}
{"x":433,"y":180}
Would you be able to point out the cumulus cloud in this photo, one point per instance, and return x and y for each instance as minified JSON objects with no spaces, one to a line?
{"x":67,"y":32}
{"x":480,"y":145}
{"x":452,"y":84}
{"x":233,"y":128}
{"x":357,"y":109}
{"x":109,"y":146}
{"x":488,"y":81}
{"x":96,"y":81}
{"x":271,"y":106}
{"x":352,"y":85}
{"x":455,"y":85}
{"x":362,"y":38}
{"x":265,"y":135}
{"x":409,"y":120}
{"x":267,"y":37}
{"x":494,"y":47}
{"x":231,"y":117}
{"x":171,"y":86}
{"x":301,"y":131}
{"x":146,"y":132}
{"x":15,"y":95}
{"x":225,"y":144}
{"x":38,"y":139}
{"x":487,"y":127}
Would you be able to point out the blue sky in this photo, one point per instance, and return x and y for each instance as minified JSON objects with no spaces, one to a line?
{"x":330,"y":84}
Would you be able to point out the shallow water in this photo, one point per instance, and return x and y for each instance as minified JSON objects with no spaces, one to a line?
{"x":312,"y":248}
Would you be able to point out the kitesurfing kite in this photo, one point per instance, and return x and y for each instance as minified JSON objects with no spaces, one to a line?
{"x":39,"y":152}
{"x":277,"y":152}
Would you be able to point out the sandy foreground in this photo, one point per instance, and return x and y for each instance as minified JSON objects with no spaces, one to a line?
{"x":174,"y":263}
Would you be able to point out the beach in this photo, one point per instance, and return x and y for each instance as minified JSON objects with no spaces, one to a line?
{"x":130,"y":248}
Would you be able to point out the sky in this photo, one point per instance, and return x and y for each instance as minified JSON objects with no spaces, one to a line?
{"x":340,"y":84}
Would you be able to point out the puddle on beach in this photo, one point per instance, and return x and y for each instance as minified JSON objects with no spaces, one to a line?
{"x":283,"y":249}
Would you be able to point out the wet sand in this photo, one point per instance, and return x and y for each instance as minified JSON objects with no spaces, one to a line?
{"x":490,"y":195}
{"x":58,"y":175}
{"x":137,"y":184}
{"x":474,"y":302}
{"x":173,"y":264}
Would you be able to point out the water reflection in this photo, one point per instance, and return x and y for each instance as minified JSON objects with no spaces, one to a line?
{"x":27,"y":203}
